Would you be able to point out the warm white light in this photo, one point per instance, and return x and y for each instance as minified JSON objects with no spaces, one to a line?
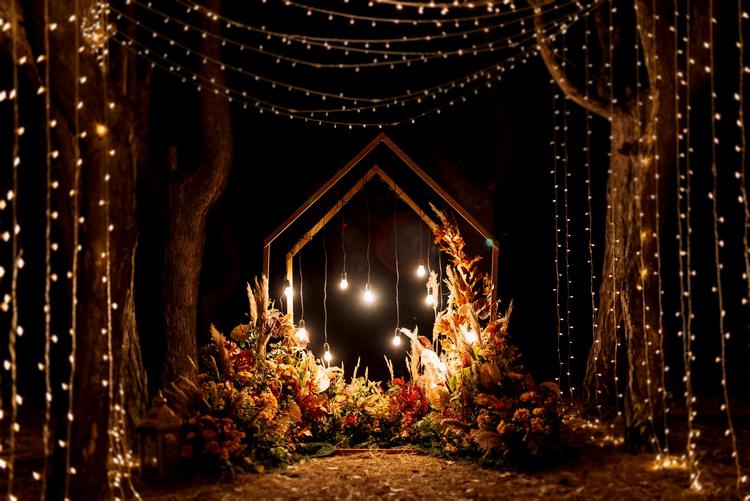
{"x":368,"y":297}
{"x":327,"y":356}
{"x":421,"y":272}
{"x":288,"y":291}
{"x":344,"y":283}
{"x":396,"y":340}
{"x":302,"y":335}
{"x":429,"y":300}
{"x":471,"y":337}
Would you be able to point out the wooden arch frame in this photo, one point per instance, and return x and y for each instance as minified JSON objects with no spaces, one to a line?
{"x":373,"y":172}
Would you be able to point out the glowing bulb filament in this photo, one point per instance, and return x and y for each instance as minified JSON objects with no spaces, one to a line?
{"x":368,"y":297}
{"x":421,"y":272}
{"x":344,"y":283}
{"x":471,"y":337}
{"x":302,"y":335}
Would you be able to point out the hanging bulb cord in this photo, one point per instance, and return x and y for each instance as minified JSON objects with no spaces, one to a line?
{"x":420,"y":237}
{"x":395,"y":252}
{"x":367,"y":203}
{"x":343,"y":244}
{"x":325,"y":291}
{"x":301,"y":295}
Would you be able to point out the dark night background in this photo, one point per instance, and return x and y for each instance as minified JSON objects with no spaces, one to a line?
{"x":492,"y":153}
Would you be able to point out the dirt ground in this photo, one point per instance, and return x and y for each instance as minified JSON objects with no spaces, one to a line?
{"x":592,"y":468}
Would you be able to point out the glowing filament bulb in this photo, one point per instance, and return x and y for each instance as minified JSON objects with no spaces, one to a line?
{"x":344,"y":283}
{"x":421,"y":272}
{"x":397,"y":338}
{"x":302,"y":335}
{"x":368,"y":297}
{"x":471,"y":336}
{"x":429,"y":299}
{"x":327,"y":354}
{"x":288,"y":291}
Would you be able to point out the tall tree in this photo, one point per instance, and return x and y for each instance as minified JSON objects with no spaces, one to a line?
{"x":632,"y":83}
{"x":194,"y":187}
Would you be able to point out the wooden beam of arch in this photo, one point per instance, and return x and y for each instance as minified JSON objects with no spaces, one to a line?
{"x":385,"y":140}
{"x":375,"y":171}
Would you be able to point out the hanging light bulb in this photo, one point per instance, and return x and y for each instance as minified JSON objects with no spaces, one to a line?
{"x":327,"y":353}
{"x":344,"y":283}
{"x":397,"y":337}
{"x":471,"y":336}
{"x":368,"y":296}
{"x":429,"y":299}
{"x":302,"y":335}
{"x":287,"y":289}
{"x":421,"y":272}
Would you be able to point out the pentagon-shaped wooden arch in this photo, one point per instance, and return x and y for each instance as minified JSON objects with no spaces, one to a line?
{"x":375,"y":171}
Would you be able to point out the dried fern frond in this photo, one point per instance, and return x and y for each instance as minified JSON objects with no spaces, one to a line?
{"x":253,"y":306}
{"x":487,"y":440}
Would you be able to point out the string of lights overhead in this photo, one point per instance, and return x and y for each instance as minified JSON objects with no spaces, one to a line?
{"x":588,"y":213}
{"x":353,"y":18}
{"x":520,"y":16}
{"x":390,"y":58}
{"x":713,"y":195}
{"x":314,"y":114}
{"x":47,"y":308}
{"x":77,"y":220}
{"x":15,"y":330}
{"x":569,"y":295}
{"x":558,"y":246}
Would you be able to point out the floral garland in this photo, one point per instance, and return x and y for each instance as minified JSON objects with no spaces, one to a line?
{"x":261,"y":397}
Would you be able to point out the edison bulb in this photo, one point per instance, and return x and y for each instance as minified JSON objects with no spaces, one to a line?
{"x":396,"y":340}
{"x":421,"y":272}
{"x":302,"y":335}
{"x":368,"y":297}
{"x":288,"y":291}
{"x":344,"y":283}
{"x":429,"y":300}
{"x":327,"y":356}
{"x":471,"y":337}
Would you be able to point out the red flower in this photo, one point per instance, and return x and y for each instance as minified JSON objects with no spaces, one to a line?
{"x":350,"y":419}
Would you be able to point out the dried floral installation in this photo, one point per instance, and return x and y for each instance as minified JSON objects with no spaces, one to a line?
{"x":263,"y":399}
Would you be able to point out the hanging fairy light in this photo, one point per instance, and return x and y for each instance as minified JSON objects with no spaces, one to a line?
{"x":344,"y":282}
{"x":421,"y":272}
{"x":327,"y":356}
{"x":368,"y":296}
{"x":396,"y":337}
{"x":288,"y":294}
{"x":471,"y":336}
{"x":302,"y":335}
{"x":397,"y":331}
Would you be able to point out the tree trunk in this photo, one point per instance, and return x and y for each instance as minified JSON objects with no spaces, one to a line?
{"x":626,"y":358}
{"x":191,"y":196}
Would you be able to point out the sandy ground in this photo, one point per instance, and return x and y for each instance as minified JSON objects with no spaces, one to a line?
{"x":591,"y":468}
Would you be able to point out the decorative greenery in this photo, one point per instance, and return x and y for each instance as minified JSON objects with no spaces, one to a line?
{"x":263,"y":399}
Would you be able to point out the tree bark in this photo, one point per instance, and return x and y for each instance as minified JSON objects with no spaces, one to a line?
{"x":626,"y":357}
{"x":88,"y":444}
{"x":191,"y":196}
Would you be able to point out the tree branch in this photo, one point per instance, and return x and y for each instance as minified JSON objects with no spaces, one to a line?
{"x":592,"y":102}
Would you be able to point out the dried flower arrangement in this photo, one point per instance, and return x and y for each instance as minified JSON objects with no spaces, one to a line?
{"x":261,"y":397}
